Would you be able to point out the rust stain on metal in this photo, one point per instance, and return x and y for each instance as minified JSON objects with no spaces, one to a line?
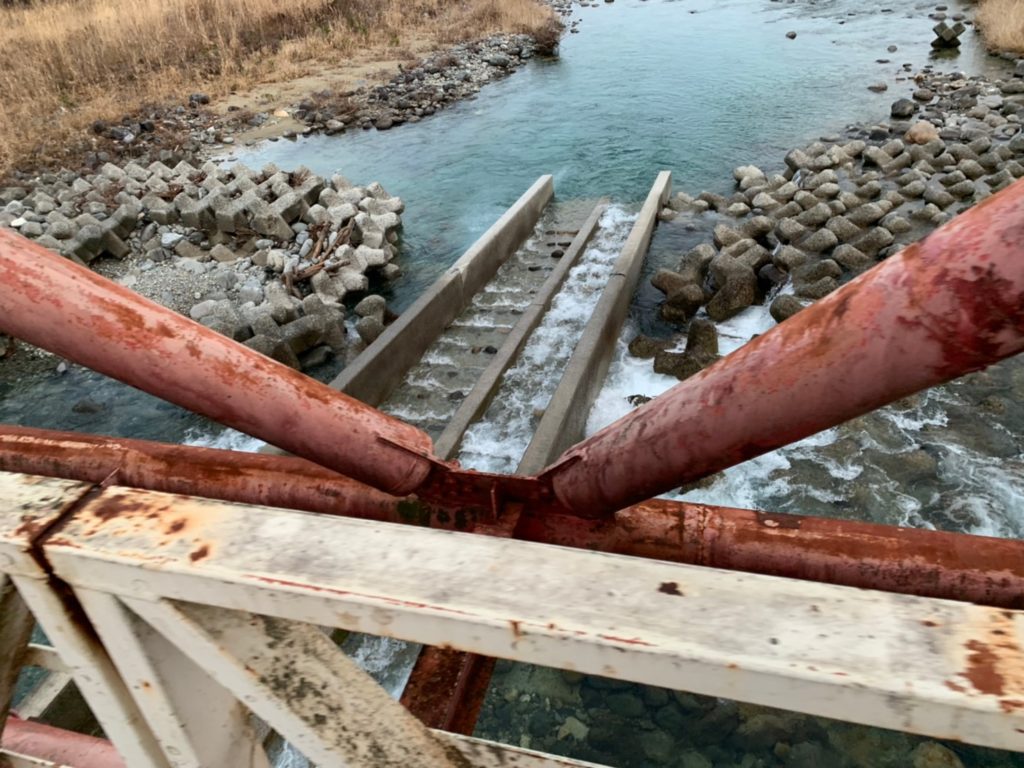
{"x":517,"y":631}
{"x":983,"y":671}
{"x":344,"y":593}
{"x":626,"y":640}
{"x":670,"y":588}
{"x":200,"y":553}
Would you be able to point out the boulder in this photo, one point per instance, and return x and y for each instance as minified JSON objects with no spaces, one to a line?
{"x":922,"y":132}
{"x":931,"y":754}
{"x":645,"y":347}
{"x":737,"y":288}
{"x":683,"y":296}
{"x":851,"y":258}
{"x":903,"y":109}
{"x":784,"y":307}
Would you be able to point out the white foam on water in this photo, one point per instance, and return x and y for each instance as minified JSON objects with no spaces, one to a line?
{"x":498,"y":441}
{"x":988,"y":492}
{"x":737,"y":331}
{"x":226,"y":439}
{"x":745,"y":485}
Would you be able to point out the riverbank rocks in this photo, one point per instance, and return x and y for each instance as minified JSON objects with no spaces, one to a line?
{"x":423,"y":89}
{"x":271,"y":256}
{"x":840,"y":205}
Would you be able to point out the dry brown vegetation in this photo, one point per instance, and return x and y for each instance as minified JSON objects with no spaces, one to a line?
{"x":1002,"y":24}
{"x":66,"y":63}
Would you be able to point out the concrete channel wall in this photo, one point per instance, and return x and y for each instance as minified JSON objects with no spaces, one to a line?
{"x":381,"y":366}
{"x":479,"y":398}
{"x":565,"y":419}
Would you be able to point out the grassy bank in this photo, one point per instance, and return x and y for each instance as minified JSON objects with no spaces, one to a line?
{"x":1002,"y":24}
{"x":70,"y":62}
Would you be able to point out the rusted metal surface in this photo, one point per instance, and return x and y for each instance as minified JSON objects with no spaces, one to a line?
{"x":250,"y":478}
{"x":935,"y":667}
{"x":30,"y":507}
{"x":955,"y":566}
{"x":949,"y":305}
{"x":301,"y":684}
{"x":938,"y":564}
{"x":52,"y":303}
{"x":447,"y":688}
{"x":15,"y":631}
{"x":64,"y":748}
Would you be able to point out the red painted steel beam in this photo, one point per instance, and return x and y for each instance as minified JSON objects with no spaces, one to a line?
{"x":44,"y":742}
{"x":55,"y":304}
{"x":939,"y":564}
{"x":246,"y":478}
{"x":949,"y":305}
{"x":954,"y":566}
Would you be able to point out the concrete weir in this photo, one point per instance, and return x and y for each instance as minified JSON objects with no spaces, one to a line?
{"x":381,"y":367}
{"x":440,"y":365}
{"x":566,"y":415}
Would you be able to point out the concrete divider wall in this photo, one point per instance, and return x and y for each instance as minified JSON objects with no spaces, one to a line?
{"x":381,"y":366}
{"x":565,"y":418}
{"x":476,"y":402}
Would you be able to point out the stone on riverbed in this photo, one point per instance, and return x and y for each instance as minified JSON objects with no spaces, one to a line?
{"x":922,"y":132}
{"x":701,"y":350}
{"x":784,"y":307}
{"x":737,"y":288}
{"x":683,"y":295}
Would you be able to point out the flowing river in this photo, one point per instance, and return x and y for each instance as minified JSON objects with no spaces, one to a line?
{"x":697,"y":87}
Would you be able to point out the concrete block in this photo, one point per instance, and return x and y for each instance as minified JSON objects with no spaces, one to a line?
{"x":160,"y":171}
{"x":88,"y":243}
{"x":112,"y":244}
{"x":330,"y":289}
{"x":159,"y":210}
{"x":266,"y":221}
{"x":304,"y":333}
{"x":290,"y":206}
{"x":310,"y":188}
{"x":137,"y":172}
{"x":273,"y":348}
{"x":229,"y":215}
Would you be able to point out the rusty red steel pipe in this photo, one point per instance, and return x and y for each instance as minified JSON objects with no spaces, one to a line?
{"x":58,"y":746}
{"x":939,"y":564}
{"x":949,"y":305}
{"x":246,"y":478}
{"x":51,"y":302}
{"x":953,"y":566}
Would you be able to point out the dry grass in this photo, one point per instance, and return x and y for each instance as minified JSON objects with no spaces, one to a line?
{"x":1002,"y":24}
{"x":67,"y":63}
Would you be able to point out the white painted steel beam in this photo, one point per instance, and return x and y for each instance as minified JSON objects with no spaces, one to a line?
{"x":44,"y":657}
{"x":196,"y":721}
{"x":16,"y":624}
{"x":28,"y":507}
{"x":944,"y":669}
{"x":301,"y":684}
